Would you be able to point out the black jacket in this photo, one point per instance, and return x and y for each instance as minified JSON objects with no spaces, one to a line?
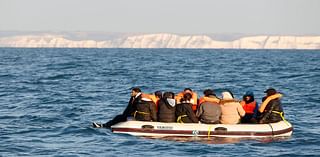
{"x":186,"y":109}
{"x":271,"y":112}
{"x":146,"y":111}
{"x":132,"y":106}
{"x":129,"y":111}
{"x":166,"y":113}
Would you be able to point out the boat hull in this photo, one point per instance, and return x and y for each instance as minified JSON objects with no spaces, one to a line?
{"x":158,"y":129}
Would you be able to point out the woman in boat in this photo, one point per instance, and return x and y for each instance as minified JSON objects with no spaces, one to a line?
{"x":184,"y":110}
{"x":231,"y":109}
{"x":251,"y":107}
{"x":271,"y":108}
{"x":167,"y":108}
{"x":209,"y":110}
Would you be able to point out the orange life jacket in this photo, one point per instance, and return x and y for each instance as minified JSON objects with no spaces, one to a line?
{"x":151,"y":97}
{"x":209,"y":99}
{"x":265,"y":102}
{"x":249,"y":108}
{"x":194,"y":99}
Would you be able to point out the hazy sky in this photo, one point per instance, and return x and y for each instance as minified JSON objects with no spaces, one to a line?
{"x":287,"y":17}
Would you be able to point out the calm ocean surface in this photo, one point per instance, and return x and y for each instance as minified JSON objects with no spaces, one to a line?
{"x":49,"y":97}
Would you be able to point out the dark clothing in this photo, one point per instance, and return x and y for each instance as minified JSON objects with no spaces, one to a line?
{"x":166,"y":112}
{"x":186,"y":114}
{"x":209,"y":112}
{"x":130,"y":109}
{"x":249,"y":118}
{"x":146,"y":111}
{"x":132,"y":106}
{"x":271,"y":112}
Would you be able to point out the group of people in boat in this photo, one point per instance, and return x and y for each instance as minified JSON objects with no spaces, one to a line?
{"x":185,"y":107}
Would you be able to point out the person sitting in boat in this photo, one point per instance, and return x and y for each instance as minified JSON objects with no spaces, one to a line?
{"x":184,"y":110}
{"x":271,"y":108}
{"x":155,"y":97}
{"x":136,"y":96}
{"x":167,"y":108}
{"x":193,"y":100}
{"x":146,"y":109}
{"x":231,"y":110}
{"x":250,"y":106}
{"x":209,"y":110}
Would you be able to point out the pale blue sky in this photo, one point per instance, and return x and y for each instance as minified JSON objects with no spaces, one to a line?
{"x":285,"y":17}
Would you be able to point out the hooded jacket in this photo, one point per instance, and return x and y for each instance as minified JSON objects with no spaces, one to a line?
{"x":166,"y":110}
{"x":231,"y":109}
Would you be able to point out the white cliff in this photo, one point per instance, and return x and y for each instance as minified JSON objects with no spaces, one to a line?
{"x":165,"y":40}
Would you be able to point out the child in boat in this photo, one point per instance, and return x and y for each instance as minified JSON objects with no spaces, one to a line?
{"x":251,"y":107}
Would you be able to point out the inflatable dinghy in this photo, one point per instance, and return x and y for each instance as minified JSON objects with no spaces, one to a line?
{"x":159,"y":129}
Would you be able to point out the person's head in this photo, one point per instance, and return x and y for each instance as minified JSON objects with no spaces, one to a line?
{"x":209,"y":92}
{"x":248,"y":97}
{"x":187,"y":97}
{"x":270,"y":91}
{"x":169,"y":95}
{"x":187,"y":90}
{"x":158,"y":94}
{"x":227,"y":95}
{"x":135,"y":91}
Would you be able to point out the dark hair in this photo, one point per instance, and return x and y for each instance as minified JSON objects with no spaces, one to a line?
{"x":136,"y":89}
{"x":168,"y":95}
{"x":209,"y":92}
{"x":271,"y":91}
{"x":158,"y":94}
{"x":248,"y":101}
{"x":187,"y":89}
{"x":187,"y":97}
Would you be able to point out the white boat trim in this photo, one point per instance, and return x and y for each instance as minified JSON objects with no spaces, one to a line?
{"x":159,"y":129}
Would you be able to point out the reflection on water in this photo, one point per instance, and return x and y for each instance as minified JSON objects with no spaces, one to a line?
{"x":220,"y":140}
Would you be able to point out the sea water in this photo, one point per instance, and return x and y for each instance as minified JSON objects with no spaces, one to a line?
{"x":50,"y":97}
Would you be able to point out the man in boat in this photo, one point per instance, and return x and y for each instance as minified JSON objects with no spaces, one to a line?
{"x":146,"y":109}
{"x":271,"y":108}
{"x":136,"y":96}
{"x":209,"y":110}
{"x":251,"y":107}
{"x":167,"y":108}
{"x":193,"y":100}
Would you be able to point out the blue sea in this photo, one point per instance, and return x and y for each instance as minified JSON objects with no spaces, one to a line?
{"x":49,"y":97}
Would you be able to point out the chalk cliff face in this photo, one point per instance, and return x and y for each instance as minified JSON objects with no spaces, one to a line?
{"x":165,"y":40}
